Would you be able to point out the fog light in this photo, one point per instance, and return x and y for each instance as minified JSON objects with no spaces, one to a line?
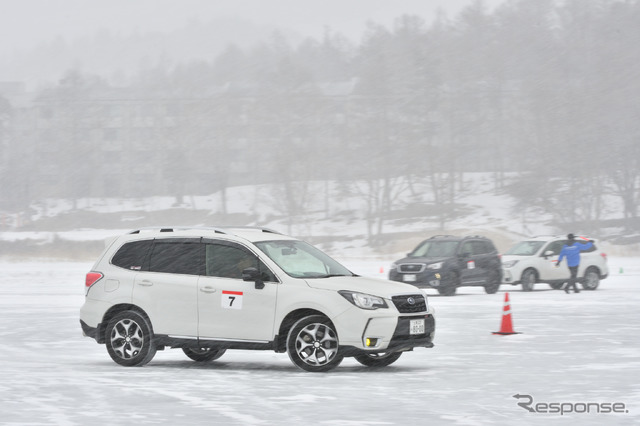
{"x":371,"y":341}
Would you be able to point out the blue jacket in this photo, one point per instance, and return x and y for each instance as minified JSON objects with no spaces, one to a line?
{"x":572,"y":252}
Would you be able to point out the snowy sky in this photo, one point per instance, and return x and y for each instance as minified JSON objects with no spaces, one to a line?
{"x":26,"y":23}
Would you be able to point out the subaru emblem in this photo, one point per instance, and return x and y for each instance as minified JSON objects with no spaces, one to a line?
{"x":411,"y":301}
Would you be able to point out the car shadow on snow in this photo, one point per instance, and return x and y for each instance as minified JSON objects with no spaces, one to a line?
{"x":501,"y":291}
{"x":241,"y":366}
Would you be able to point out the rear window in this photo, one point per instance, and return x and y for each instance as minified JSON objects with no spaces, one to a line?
{"x":132,"y":255}
{"x":477,"y":247}
{"x":556,"y":246}
{"x":177,"y":258}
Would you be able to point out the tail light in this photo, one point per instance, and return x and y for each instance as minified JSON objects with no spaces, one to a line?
{"x":92,"y":278}
{"x":604,"y":255}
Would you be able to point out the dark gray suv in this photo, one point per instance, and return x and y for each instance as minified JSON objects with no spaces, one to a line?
{"x":446,"y":262}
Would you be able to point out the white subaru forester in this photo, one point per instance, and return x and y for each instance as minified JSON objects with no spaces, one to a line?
{"x":206,"y":290}
{"x":534,"y":261}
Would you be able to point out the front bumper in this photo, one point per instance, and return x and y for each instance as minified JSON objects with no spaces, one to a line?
{"x":510,"y":276}
{"x":425,"y":279}
{"x":401,"y":340}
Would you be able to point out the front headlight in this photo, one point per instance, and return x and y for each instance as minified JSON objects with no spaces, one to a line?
{"x":435,"y":265}
{"x":509,"y":263}
{"x":364,"y":301}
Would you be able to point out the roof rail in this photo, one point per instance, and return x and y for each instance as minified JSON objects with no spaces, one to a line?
{"x":442,"y":236}
{"x":251,"y":228}
{"x":217,"y":229}
{"x":177,"y":228}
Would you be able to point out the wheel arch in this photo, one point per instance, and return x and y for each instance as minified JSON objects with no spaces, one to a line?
{"x":289,"y":320}
{"x":532,"y":269}
{"x":115,"y":310}
{"x":583,"y":280}
{"x":595,"y":267}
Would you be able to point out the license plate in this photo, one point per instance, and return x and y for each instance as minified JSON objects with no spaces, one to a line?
{"x":416,"y":326}
{"x":409,"y":278}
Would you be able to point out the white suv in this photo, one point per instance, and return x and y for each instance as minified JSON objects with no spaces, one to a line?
{"x":533,"y":261}
{"x":206,"y":290}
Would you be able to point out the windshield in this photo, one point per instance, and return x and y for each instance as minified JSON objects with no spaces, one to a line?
{"x":435,"y":249}
{"x":525,"y":248}
{"x":301,"y":260}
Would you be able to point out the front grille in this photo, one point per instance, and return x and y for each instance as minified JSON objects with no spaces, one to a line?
{"x":414,"y":268}
{"x":404,"y":305}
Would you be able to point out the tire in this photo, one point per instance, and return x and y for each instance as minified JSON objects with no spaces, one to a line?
{"x":203,"y":354}
{"x":450,"y":288}
{"x":493,"y":284}
{"x":447,"y":291}
{"x":591,"y":278}
{"x":312,"y":344}
{"x":378,"y":360}
{"x":556,"y":286}
{"x":129,"y":339}
{"x":529,"y":278}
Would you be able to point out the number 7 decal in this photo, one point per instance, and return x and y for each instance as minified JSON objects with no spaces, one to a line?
{"x":231,"y":299}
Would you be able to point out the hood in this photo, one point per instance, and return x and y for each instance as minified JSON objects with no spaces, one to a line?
{"x":372,"y":286}
{"x":512,"y":257}
{"x":509,"y":257}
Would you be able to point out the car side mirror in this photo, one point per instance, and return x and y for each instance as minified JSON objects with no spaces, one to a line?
{"x":252,"y":274}
{"x":548,"y":253}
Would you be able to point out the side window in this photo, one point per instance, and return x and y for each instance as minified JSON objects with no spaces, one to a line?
{"x":555,"y":247}
{"x":132,"y":255}
{"x":228,"y":261}
{"x":481,"y":247}
{"x":489,"y":247}
{"x":592,"y":249}
{"x":467,"y":248}
{"x":177,"y":257}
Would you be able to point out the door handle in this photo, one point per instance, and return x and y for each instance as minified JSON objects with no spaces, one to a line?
{"x":145,"y":283}
{"x":207,"y":289}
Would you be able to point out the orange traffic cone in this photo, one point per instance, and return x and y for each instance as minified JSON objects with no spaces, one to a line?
{"x":507,"y":325}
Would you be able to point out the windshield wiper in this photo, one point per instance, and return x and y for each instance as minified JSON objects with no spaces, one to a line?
{"x":328,"y":276}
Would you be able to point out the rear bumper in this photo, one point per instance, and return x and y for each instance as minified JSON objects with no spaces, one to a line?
{"x":96,"y":333}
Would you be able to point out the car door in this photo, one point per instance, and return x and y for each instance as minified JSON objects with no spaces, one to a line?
{"x":167,"y":291}
{"x":547,"y":262}
{"x":228,"y":307}
{"x":471,"y":264}
{"x":588,"y":257}
{"x":486,"y":258}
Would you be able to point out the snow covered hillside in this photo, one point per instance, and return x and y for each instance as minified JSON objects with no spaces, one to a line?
{"x":332,"y":218}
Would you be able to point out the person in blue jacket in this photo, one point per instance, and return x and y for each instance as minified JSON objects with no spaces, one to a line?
{"x":571,"y":251}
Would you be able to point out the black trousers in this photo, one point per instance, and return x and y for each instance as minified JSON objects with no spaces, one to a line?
{"x":573,"y":279}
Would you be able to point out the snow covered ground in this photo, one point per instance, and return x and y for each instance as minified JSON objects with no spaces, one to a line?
{"x":574,"y":350}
